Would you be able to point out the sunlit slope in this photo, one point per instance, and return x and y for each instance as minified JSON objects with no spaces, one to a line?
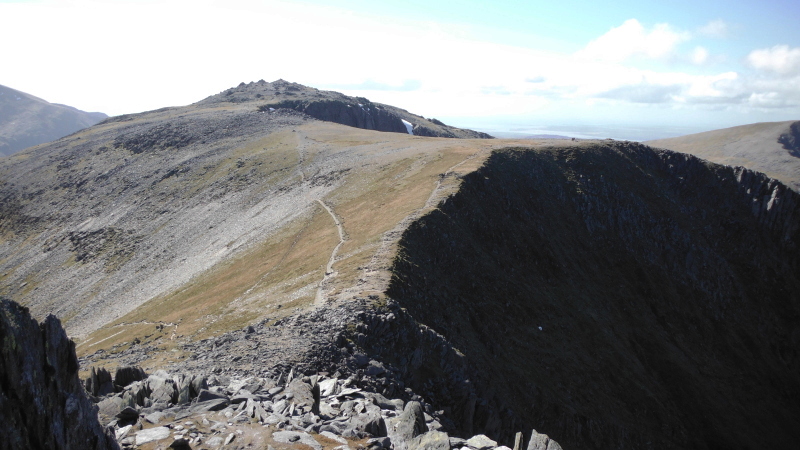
{"x":769,"y":147}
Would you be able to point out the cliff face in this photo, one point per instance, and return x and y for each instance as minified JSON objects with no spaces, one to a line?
{"x":617,"y":296}
{"x":42,"y":402}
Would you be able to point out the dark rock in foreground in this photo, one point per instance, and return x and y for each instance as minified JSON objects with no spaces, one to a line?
{"x":42,"y":402}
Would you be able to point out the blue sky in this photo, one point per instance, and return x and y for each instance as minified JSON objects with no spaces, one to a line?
{"x":624,"y":69}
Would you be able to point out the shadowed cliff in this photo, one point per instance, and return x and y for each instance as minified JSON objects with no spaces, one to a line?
{"x":617,"y":296}
{"x":42,"y":402}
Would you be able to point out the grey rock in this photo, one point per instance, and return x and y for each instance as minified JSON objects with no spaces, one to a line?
{"x":128,"y":414}
{"x":481,"y":442}
{"x":369,"y":422}
{"x":124,"y":376}
{"x":162,"y":388}
{"x":383,"y":442}
{"x":216,"y":404}
{"x":215,"y":441}
{"x":206,"y":395}
{"x":151,"y":435}
{"x":154,"y":417}
{"x":288,"y":437}
{"x":542,"y":442}
{"x":328,"y":387}
{"x":198,"y":383}
{"x":406,"y":426}
{"x":432,"y":440}
{"x":457,"y":442}
{"x":518,"y":438}
{"x":110,"y":407}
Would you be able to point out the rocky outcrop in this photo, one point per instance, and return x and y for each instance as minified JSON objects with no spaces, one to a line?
{"x":42,"y":402}
{"x":791,"y":139}
{"x":616,"y":297}
{"x":361,"y":113}
{"x":298,"y":411}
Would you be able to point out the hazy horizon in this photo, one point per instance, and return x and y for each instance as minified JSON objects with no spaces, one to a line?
{"x":627,"y":70}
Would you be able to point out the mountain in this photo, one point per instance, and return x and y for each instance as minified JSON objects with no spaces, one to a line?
{"x":772,"y":148}
{"x":606,"y":293}
{"x":26,"y":120}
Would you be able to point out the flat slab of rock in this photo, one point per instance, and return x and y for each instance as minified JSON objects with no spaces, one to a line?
{"x":290,"y":437}
{"x":151,"y":434}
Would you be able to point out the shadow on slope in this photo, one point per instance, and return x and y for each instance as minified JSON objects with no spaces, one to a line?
{"x":618,"y":297}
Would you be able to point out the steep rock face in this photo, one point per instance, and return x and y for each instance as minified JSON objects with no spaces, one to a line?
{"x":618,"y":297}
{"x":42,"y":402}
{"x":791,"y":139}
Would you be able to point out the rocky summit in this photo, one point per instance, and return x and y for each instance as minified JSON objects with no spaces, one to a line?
{"x":277,"y":266}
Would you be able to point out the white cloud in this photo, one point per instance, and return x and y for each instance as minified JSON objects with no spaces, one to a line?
{"x":715,"y":28}
{"x":176,"y":52}
{"x":780,"y":59}
{"x":632,"y":39}
{"x":699,"y":55}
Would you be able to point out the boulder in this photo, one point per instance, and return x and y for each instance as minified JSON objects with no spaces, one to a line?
{"x":432,"y":440}
{"x":124,"y":376}
{"x":406,"y":426}
{"x":481,"y":442}
{"x":542,"y":442}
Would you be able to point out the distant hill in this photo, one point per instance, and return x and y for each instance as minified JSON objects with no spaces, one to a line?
{"x":769,"y":147}
{"x":26,"y":120}
{"x":333,"y":106}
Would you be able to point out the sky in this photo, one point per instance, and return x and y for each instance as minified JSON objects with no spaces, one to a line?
{"x":627,"y":69}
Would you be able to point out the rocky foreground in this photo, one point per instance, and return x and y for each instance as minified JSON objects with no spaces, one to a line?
{"x":43,"y":405}
{"x":288,"y":411}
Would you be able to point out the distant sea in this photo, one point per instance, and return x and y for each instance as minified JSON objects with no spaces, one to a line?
{"x":623,"y":133}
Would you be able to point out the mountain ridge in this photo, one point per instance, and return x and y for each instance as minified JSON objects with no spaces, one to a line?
{"x":618,"y":295}
{"x":26,"y":120}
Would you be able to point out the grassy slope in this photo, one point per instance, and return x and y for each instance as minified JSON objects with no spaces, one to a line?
{"x":754,"y":146}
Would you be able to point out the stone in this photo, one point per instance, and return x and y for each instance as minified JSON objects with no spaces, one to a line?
{"x":215,"y":441}
{"x":162,"y":388}
{"x":328,"y":387}
{"x":209,"y":405}
{"x":206,"y":395}
{"x":481,"y":442}
{"x":110,"y":407}
{"x":198,"y":383}
{"x":383,"y":442}
{"x":406,"y":426}
{"x":128,"y":414}
{"x":154,"y":417}
{"x":432,"y":440}
{"x":151,"y":435}
{"x":126,"y":375}
{"x":542,"y":442}
{"x":289,"y":437}
{"x":229,"y":439}
{"x":457,"y":442}
{"x":518,"y":441}
{"x":369,"y":422}
{"x":122,"y":432}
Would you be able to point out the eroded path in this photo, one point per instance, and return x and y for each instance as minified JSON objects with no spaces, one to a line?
{"x":329,"y":272}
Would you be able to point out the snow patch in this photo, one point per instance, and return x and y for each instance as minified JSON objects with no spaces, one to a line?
{"x":409,"y":126}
